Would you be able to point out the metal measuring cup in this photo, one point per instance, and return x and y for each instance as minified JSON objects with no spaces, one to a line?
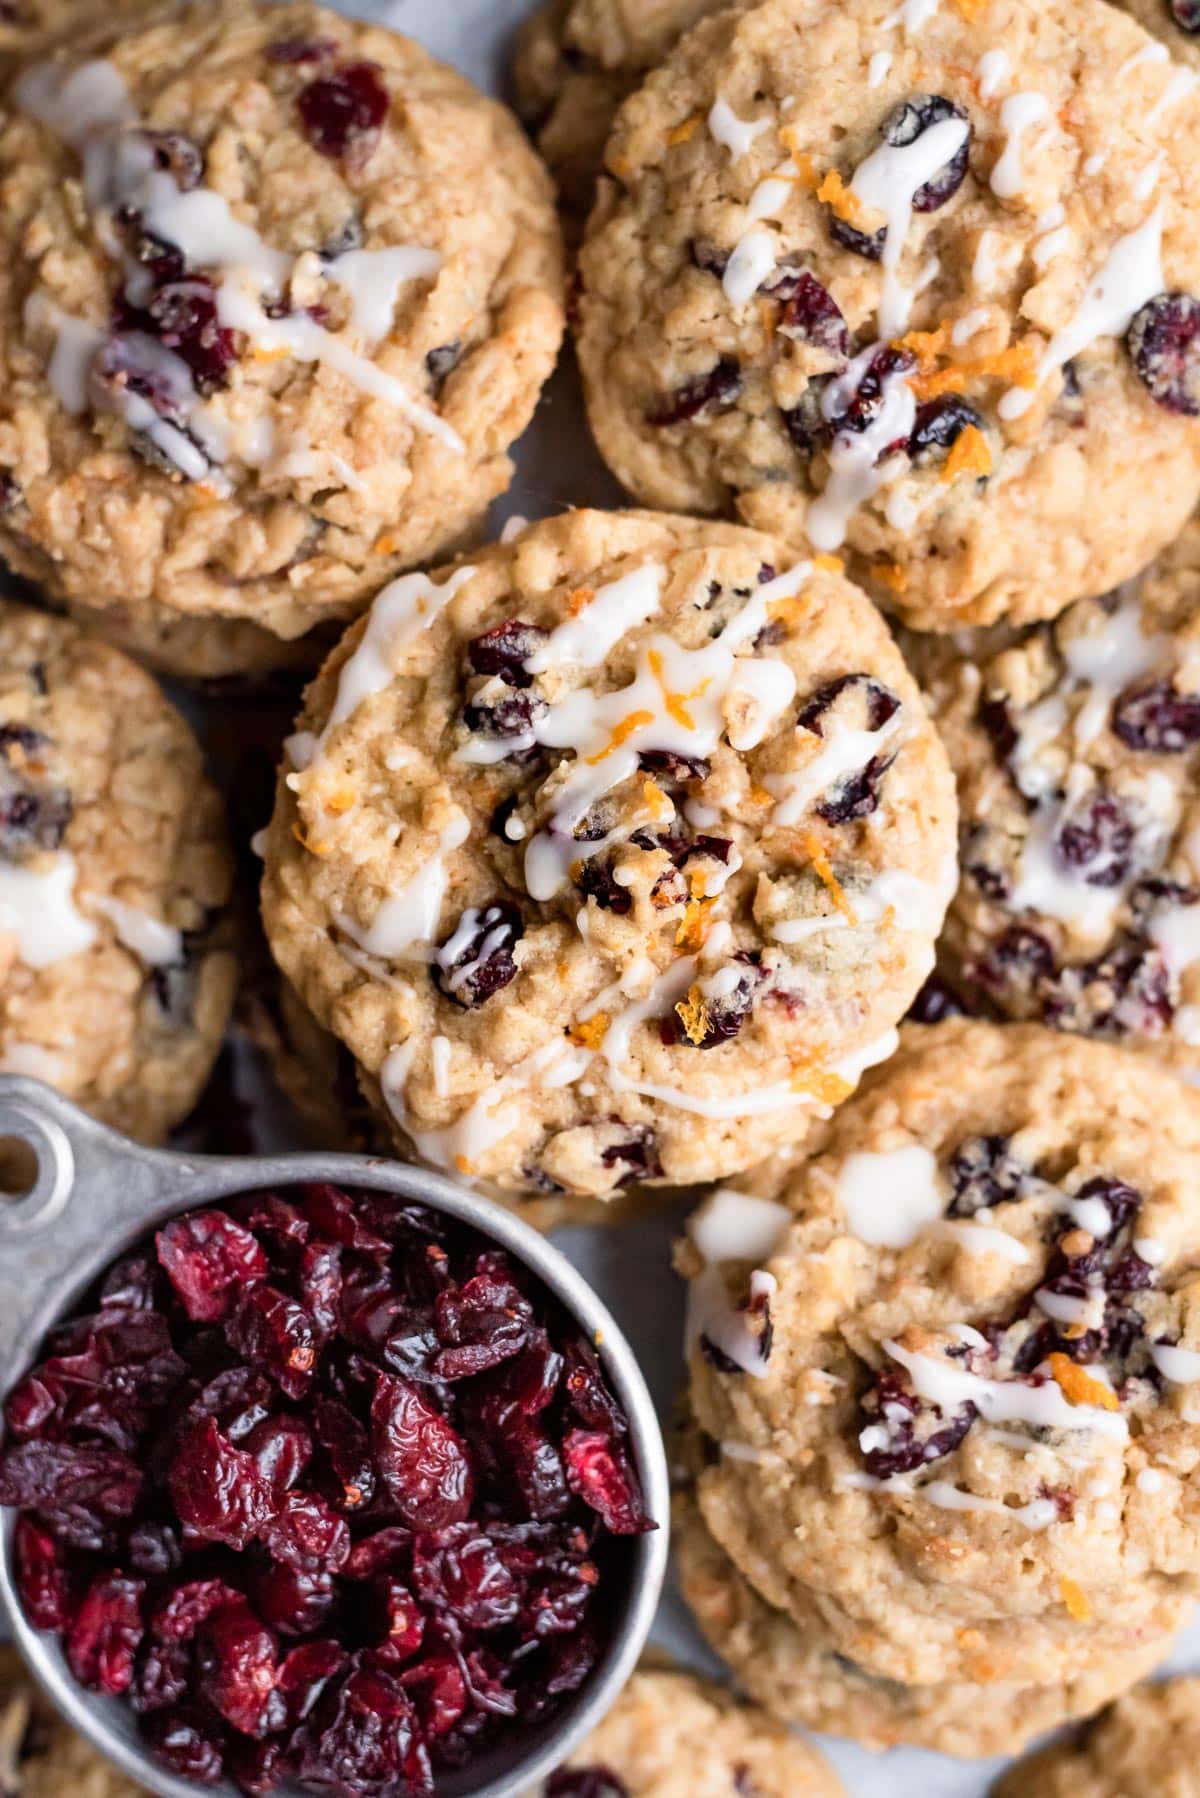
{"x":91,"y":1195}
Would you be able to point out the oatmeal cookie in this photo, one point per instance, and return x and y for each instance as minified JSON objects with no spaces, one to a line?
{"x":1077,"y":751}
{"x":40,"y":1755}
{"x":1149,"y":1741}
{"x":576,"y":60}
{"x":933,"y":292}
{"x":614,"y":856}
{"x":115,"y":975}
{"x":674,"y":1735}
{"x":278,"y":292}
{"x":955,"y":1359}
{"x":788,"y":1663}
{"x":1176,"y":22}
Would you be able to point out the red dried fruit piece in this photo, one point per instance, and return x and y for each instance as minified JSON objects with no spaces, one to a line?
{"x":293,"y":1602}
{"x":106,"y":1633}
{"x":275,"y":1218}
{"x":238,"y":1400}
{"x":439,"y":1690}
{"x":153,"y":1549}
{"x":361,"y":1736}
{"x":210,"y":1261}
{"x":460,"y":1571}
{"x":702,"y":398}
{"x":347,"y":1449}
{"x":599,"y":1472}
{"x":217,"y":1489}
{"x":343,"y":112}
{"x":239,"y":1667}
{"x":320,"y":1283}
{"x":277,"y":1335}
{"x":338,"y":1217}
{"x":257,"y":1767}
{"x":282,"y":1448}
{"x":77,"y":1492}
{"x":482,"y":1323}
{"x":402,"y":1623}
{"x":421,"y":1458}
{"x":305,"y":1673}
{"x":307,"y":1534}
{"x":179,"y":1616}
{"x":162,"y":1679}
{"x":42,"y":1583}
{"x":185,"y":1744}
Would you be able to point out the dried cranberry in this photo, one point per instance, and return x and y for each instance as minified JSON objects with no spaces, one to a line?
{"x":700,"y":399}
{"x":1156,"y":718}
{"x":210,"y":1261}
{"x":600,"y":1472}
{"x":177,"y":155}
{"x":187,"y":1606}
{"x":217,"y":1489}
{"x":1019,"y":954}
{"x":1164,"y":341}
{"x":360,"y":1737}
{"x":305,"y":1672}
{"x":710,"y":257}
{"x":422,"y":1460}
{"x":635,"y":1149}
{"x":344,"y":1441}
{"x":677,"y":770}
{"x":597,"y":881}
{"x":162,"y":1678}
{"x":878,"y":703}
{"x":939,"y":424}
{"x":476,"y":960}
{"x":514,"y":715}
{"x":276,"y":1334}
{"x":984,"y":1172}
{"x":859,"y":403}
{"x":1096,"y":838}
{"x":809,"y":312}
{"x":334,"y":1214}
{"x":936,"y":1002}
{"x":78,"y":1492}
{"x":34,"y":814}
{"x":343,"y":112}
{"x":996,"y":718}
{"x":911,"y":120}
{"x":186,"y":1745}
{"x":105,"y":1634}
{"x":293,"y":1602}
{"x":916,"y":1432}
{"x":443,"y":361}
{"x":481,"y":1323}
{"x":238,"y":1670}
{"x":42,"y":1582}
{"x":504,"y":650}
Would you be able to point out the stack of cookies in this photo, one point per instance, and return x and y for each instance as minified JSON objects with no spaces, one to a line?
{"x":826,"y":836}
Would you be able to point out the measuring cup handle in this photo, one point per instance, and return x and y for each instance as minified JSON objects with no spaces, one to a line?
{"x":61,"y":1224}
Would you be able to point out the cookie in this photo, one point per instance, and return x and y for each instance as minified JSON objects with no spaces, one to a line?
{"x":575,"y":62}
{"x":1176,"y":22}
{"x":279,"y":293}
{"x":30,"y":27}
{"x":929,"y":291}
{"x":1077,"y":751}
{"x":792,"y":1668}
{"x":951,"y":1369}
{"x":116,"y":978}
{"x":613,"y":856}
{"x":1150,"y":1740}
{"x":40,"y":1755}
{"x":674,"y":1735}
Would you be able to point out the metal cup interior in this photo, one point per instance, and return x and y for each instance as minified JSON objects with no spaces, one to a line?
{"x":50,"y":1253}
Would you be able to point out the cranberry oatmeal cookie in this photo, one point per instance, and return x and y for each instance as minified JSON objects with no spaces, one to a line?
{"x":115,"y":978}
{"x":951,"y":1373}
{"x":1150,"y":1741}
{"x":279,"y":292}
{"x":615,"y":856}
{"x":40,"y":1755}
{"x":929,"y":291}
{"x":788,"y":1662}
{"x":674,"y":1735}
{"x":1077,"y":750}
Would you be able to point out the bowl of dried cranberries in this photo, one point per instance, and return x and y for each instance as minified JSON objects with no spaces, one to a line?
{"x":344,"y":1484}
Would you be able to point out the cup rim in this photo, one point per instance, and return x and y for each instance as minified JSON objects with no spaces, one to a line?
{"x":108,"y":1723}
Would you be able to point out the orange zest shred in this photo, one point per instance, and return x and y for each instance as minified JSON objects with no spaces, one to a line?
{"x":579,"y":599}
{"x":682,"y":133}
{"x":1017,"y":364}
{"x":969,"y":454}
{"x":694,"y":926}
{"x":834,"y":193}
{"x":760,"y":796}
{"x":818,"y":1083}
{"x":1078,"y":1386}
{"x":970,"y":9}
{"x":697,"y":883}
{"x":693,"y":1015}
{"x":384,"y":545}
{"x":589,"y":1033}
{"x":891,"y":575}
{"x":829,"y":564}
{"x":621,"y":734}
{"x":340,"y":802}
{"x":462,"y":1164}
{"x":1074,"y":1599}
{"x":621,"y":167}
{"x":926,"y":346}
{"x":655,"y":798}
{"x":313,"y":848}
{"x":931,"y":386}
{"x":675,"y":703}
{"x":829,"y":879}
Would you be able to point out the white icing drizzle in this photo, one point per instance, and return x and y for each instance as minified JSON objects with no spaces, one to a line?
{"x":889,"y":1199}
{"x":737,"y":1226}
{"x":984,"y":1239}
{"x":1182,"y":82}
{"x":912,"y":15}
{"x":711,"y":1315}
{"x":853,"y":455}
{"x":586,"y":640}
{"x":1181,"y":1366}
{"x":440,"y":1052}
{"x":1150,"y":1480}
{"x":845,"y":750}
{"x":1005,"y":1401}
{"x":373,"y":279}
{"x":152,"y":941}
{"x":879,"y":68}
{"x":766,"y":690}
{"x":404,"y":609}
{"x":1131,"y":275}
{"x":886,"y":183}
{"x":494,"y":934}
{"x":969,"y":325}
{"x":914,"y":904}
{"x":734,"y":134}
{"x":752,"y":262}
{"x":494,"y":1114}
{"x":37,"y":907}
{"x":992,"y":73}
{"x":409,"y":918}
{"x":1038,"y":1514}
{"x":1019,"y":113}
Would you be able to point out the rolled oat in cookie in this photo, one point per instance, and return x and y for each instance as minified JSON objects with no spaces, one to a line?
{"x":1149,"y":1741}
{"x":950,"y":1364}
{"x":921,"y":282}
{"x":675,"y":1735}
{"x":613,"y":856}
{"x":788,"y":1662}
{"x":280,"y":291}
{"x":1077,"y":750}
{"x":116,"y":976}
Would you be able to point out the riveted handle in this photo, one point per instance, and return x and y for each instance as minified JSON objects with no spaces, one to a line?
{"x":75,"y":1196}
